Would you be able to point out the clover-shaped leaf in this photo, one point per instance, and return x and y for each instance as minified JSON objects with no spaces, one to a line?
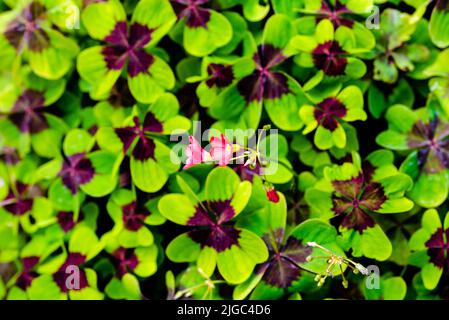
{"x":28,"y":31}
{"x":279,"y":93}
{"x":127,"y":46}
{"x":151,"y":159}
{"x":350,"y":193}
{"x":423,"y":136}
{"x":429,"y":246}
{"x":326,"y":117}
{"x":213,"y":240}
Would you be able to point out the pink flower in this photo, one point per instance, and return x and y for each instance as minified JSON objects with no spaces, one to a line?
{"x":272,"y":195}
{"x":221,"y":150}
{"x":195,"y":154}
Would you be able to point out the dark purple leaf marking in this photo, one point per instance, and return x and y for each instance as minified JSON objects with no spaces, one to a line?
{"x":264,"y":83}
{"x":218,"y":237}
{"x":9,"y":155}
{"x":26,"y":114}
{"x":27,"y":275}
{"x":145,"y":146}
{"x":219,"y":75}
{"x":20,"y":201}
{"x":438,"y":248}
{"x":330,"y":57}
{"x":60,"y":276}
{"x":66,"y":220}
{"x":431,"y":141}
{"x":195,"y":15}
{"x":283,"y":266}
{"x":76,"y":171}
{"x":328,"y":111}
{"x":124,"y":260}
{"x":353,"y":199}
{"x":134,"y":216}
{"x":26,"y":29}
{"x":212,"y":230}
{"x":125,"y":45}
{"x":336,"y":14}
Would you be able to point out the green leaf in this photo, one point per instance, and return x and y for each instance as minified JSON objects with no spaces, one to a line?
{"x":150,"y":175}
{"x":430,"y":190}
{"x":221,"y":184}
{"x":199,"y":41}
{"x":100,"y":18}
{"x":267,"y":220}
{"x":146,"y":87}
{"x":92,"y":67}
{"x":83,"y":240}
{"x":183,"y":249}
{"x":207,"y":261}
{"x":242,"y":290}
{"x":177,"y":208}
{"x":157,"y":15}
{"x":147,"y":257}
{"x":56,"y":60}
{"x":132,"y":239}
{"x":324,"y":31}
{"x":77,"y":141}
{"x":278,"y":31}
{"x":374,"y":244}
{"x":431,"y":276}
{"x":104,"y":181}
{"x":439,"y":25}
{"x":283,"y":111}
{"x":44,"y":288}
{"x":236,"y":263}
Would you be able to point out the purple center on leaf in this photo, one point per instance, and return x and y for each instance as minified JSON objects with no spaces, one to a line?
{"x":133,"y":216}
{"x":27,"y":275}
{"x":145,"y":146}
{"x":9,"y":155}
{"x":219,"y":75}
{"x":330,"y":57}
{"x":264,"y":83}
{"x":432,"y":143}
{"x":67,"y":270}
{"x":26,"y":114}
{"x":19,"y":200}
{"x":125,"y":260}
{"x":195,"y":15}
{"x":438,"y":248}
{"x":76,"y":170}
{"x":353,"y":199}
{"x":283,"y":268}
{"x":328,"y":111}
{"x":335,"y":14}
{"x":65,"y":220}
{"x":26,"y":29}
{"x":213,"y":230}
{"x":125,"y":45}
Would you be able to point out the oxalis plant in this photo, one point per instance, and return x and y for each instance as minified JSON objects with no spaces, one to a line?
{"x":229,"y":149}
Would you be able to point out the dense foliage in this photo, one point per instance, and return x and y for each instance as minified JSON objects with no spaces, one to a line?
{"x":110,"y":190}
